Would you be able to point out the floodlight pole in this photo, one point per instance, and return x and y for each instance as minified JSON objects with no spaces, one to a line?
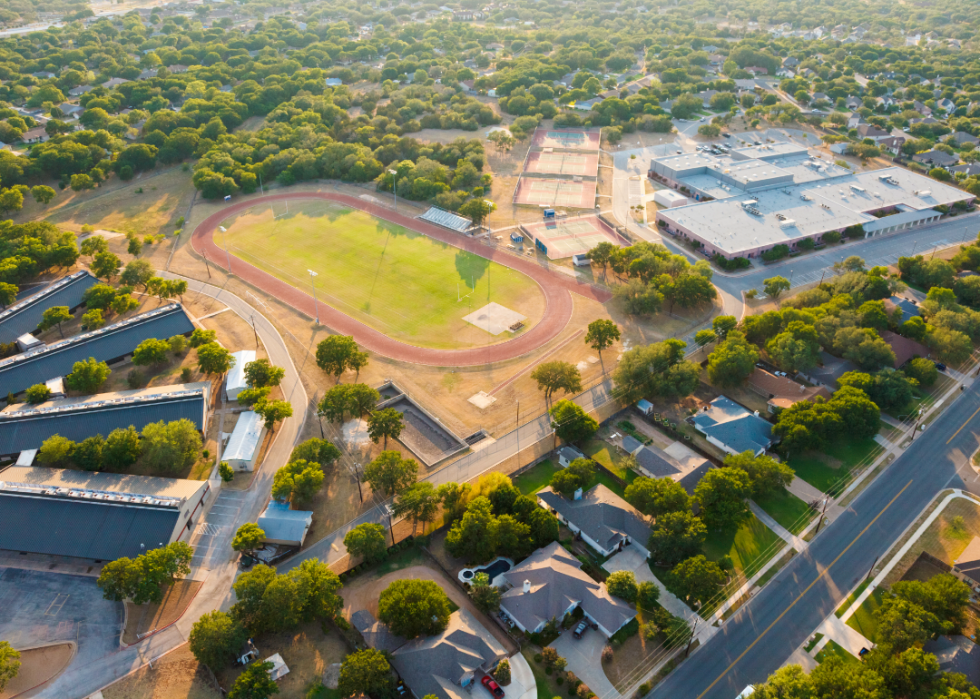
{"x":315,"y":306}
{"x":205,"y":253}
{"x":394,"y":186}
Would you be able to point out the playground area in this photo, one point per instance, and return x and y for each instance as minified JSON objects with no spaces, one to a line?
{"x":551,"y":193}
{"x":564,"y":237}
{"x":562,"y":163}
{"x":567,"y":139}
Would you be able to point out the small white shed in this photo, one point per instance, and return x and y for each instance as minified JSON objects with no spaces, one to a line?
{"x":243,"y":445}
{"x":235,"y":383}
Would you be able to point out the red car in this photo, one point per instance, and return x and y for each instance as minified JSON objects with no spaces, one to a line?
{"x":492,"y":686}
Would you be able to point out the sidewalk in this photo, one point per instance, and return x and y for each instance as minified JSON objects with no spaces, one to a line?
{"x":843,"y":635}
{"x":796,"y":542}
{"x":804,"y":491}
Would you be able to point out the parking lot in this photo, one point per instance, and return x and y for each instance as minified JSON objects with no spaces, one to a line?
{"x":41,"y":608}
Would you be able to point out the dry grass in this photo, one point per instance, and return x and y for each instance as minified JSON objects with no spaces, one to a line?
{"x":37,"y":666}
{"x":622,"y":671}
{"x":176,"y":675}
{"x":146,"y":618}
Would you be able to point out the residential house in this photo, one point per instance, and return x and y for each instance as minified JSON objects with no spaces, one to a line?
{"x":604,"y":520}
{"x":962,"y":137}
{"x":114,"y":82}
{"x":376,"y":634}
{"x":785,"y":73}
{"x":947,"y":105}
{"x":909,"y":308}
{"x":968,"y":563}
{"x":936,"y":158}
{"x":80,"y":90}
{"x":929,"y":121}
{"x":333,"y":82}
{"x":956,"y":654}
{"x":549,"y":584}
{"x":686,"y":468}
{"x":903,"y":347}
{"x":757,"y":70}
{"x":854,"y":120}
{"x":831,"y":368}
{"x":732,"y":428}
{"x":969,"y":169}
{"x":35,"y":135}
{"x":853,"y":102}
{"x":71,"y":110}
{"x":818,"y":96}
{"x":790,"y":62}
{"x":147,"y":74}
{"x":177,"y":68}
{"x":587,"y":105}
{"x":782,"y":392}
{"x":873,"y":132}
{"x":885,"y":102}
{"x":921,"y":108}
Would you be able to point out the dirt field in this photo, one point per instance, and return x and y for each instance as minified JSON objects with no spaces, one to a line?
{"x":144,"y":619}
{"x":176,"y":675}
{"x":37,"y":666}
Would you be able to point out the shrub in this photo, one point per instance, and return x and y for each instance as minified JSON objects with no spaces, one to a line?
{"x":186,"y":375}
{"x":136,"y":379}
{"x":537,"y":658}
{"x":607,"y":654}
{"x":645,"y":688}
{"x":583,"y":691}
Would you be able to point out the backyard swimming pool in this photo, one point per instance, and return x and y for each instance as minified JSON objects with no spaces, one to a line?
{"x":492,"y":569}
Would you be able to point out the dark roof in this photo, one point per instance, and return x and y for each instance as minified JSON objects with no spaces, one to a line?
{"x":903,"y":347}
{"x":969,"y":561}
{"x":936,"y":157}
{"x":909,"y":309}
{"x":833,"y":368}
{"x":956,"y":654}
{"x":602,"y":515}
{"x":734,"y":426}
{"x":85,"y":529}
{"x":660,"y":464}
{"x":106,"y":344}
{"x":27,"y":428}
{"x":376,"y":634}
{"x":24,"y":316}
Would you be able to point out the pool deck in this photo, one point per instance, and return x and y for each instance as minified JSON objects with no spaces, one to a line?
{"x":480,"y":569}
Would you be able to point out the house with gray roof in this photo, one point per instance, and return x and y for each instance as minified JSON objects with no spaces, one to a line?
{"x":25,"y":316}
{"x":568,"y":454}
{"x":605,"y":521}
{"x":376,"y":634}
{"x":108,"y":344}
{"x":549,"y":584}
{"x":909,"y":308}
{"x":284,"y":526}
{"x":448,"y":664}
{"x":732,"y":428}
{"x":831,"y":368}
{"x":956,"y":654}
{"x":654,"y":462}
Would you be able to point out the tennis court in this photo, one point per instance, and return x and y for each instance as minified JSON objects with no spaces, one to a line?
{"x":567,"y":139}
{"x":549,"y":192}
{"x":563,"y":238}
{"x":563,"y":163}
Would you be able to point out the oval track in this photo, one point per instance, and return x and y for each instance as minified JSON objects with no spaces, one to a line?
{"x":556,"y":288}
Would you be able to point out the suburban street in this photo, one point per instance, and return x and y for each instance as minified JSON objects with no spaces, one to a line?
{"x":214,"y":561}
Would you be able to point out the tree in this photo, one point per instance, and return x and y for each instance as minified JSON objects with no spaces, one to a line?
{"x":92,"y":320}
{"x":55,"y":316}
{"x":601,"y":335}
{"x":317,"y":587}
{"x":414,"y":608}
{"x":383,"y":424}
{"x":365,"y":672}
{"x":248,"y":538}
{"x":656,"y":370}
{"x":11,"y":200}
{"x":338,"y":353}
{"x":477,"y":209}
{"x":93,"y":245}
{"x":8,"y":294}
{"x":335,"y":404}
{"x":945,"y":596}
{"x":571,"y":423}
{"x":369,"y":541}
{"x":254,"y":682}
{"x":170,"y":447}
{"x":361,"y":399}
{"x":922,"y":370}
{"x":150,"y":352}
{"x":502,"y":672}
{"x":273,"y":411}
{"x":105,"y":264}
{"x":676,"y":536}
{"x":212,"y":358}
{"x":297,"y":481}
{"x":484,"y":595}
{"x":88,"y":453}
{"x":123,"y":303}
{"x":903,"y":624}
{"x":216,"y":638}
{"x":226,"y":472}
{"x":774,"y":286}
{"x":420,"y":502}
{"x":656,"y":497}
{"x":453,"y":498}
{"x":767,"y":475}
{"x":795,"y":349}
{"x":261,"y":373}
{"x":622,"y":584}
{"x":9,"y":663}
{"x":55,"y":450}
{"x":788,"y":682}
{"x":557,"y":375}
{"x":389,"y":474}
{"x":473,"y":536}
{"x":577,"y":474}
{"x":141,"y":580}
{"x":316,"y":450}
{"x":266,"y":601}
{"x":732,"y":361}
{"x":704,"y":337}
{"x":38,"y":393}
{"x":87,"y":376}
{"x":202,"y":337}
{"x":721,"y":493}
{"x":137,"y":273}
{"x":697,"y":579}
{"x":42,"y":194}
{"x":647,"y":594}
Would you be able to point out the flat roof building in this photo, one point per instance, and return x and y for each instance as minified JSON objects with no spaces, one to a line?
{"x":25,"y":426}
{"x":243,"y":445}
{"x":101,"y":516}
{"x":25,"y":316}
{"x":284,"y":526}
{"x":755,"y":198}
{"x":107,"y":344}
{"x":236,"y":383}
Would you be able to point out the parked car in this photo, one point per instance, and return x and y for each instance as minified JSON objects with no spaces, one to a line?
{"x":580,"y":629}
{"x":940,"y":366}
{"x":401,"y":688}
{"x":492,"y":686}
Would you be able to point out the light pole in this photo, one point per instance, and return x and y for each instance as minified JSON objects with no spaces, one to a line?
{"x":490,"y":207}
{"x":915,"y":429}
{"x":394,"y":185}
{"x":315,"y":307}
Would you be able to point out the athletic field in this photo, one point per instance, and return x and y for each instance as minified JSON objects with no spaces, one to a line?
{"x":395,"y":280}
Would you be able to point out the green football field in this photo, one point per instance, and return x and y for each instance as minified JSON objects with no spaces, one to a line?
{"x":395,"y":280}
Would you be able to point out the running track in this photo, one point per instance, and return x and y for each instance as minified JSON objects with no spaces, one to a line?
{"x":556,"y":288}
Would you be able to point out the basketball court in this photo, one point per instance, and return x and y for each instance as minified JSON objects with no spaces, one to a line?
{"x":562,"y":163}
{"x":549,"y":192}
{"x":566,"y":139}
{"x":565,"y":237}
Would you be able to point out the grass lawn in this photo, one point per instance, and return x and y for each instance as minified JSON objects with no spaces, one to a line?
{"x":750,"y":545}
{"x":547,"y":687}
{"x":536,"y":478}
{"x":846,"y":604}
{"x":833,"y":649}
{"x":395,"y":280}
{"x":788,"y":510}
{"x":863,"y":619}
{"x":605,"y":453}
{"x":823,"y":469}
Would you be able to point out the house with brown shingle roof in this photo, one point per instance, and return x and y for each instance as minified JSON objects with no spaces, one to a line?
{"x":781,"y":392}
{"x":904,"y":348}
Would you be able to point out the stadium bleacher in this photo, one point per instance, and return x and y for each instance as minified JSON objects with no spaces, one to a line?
{"x":446,"y":219}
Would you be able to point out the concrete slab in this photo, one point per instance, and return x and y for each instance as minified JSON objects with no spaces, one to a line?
{"x":584,"y":656}
{"x":522,"y":684}
{"x":494,"y":318}
{"x":482,"y":400}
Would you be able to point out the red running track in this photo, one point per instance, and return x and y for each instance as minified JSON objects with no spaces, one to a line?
{"x":556,"y":288}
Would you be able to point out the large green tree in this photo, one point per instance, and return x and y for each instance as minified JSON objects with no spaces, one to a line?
{"x":365,"y":672}
{"x":557,"y":376}
{"x":413,"y":608}
{"x":390,"y":474}
{"x":767,"y":475}
{"x":298,"y":481}
{"x":657,"y":496}
{"x":216,"y":638}
{"x":732,"y":361}
{"x":697,"y":579}
{"x":657,"y":370}
{"x":338,"y":353}
{"x":601,"y":335}
{"x":87,"y":376}
{"x":473,"y":537}
{"x":170,"y":447}
{"x":383,"y":424}
{"x":571,"y":423}
{"x":721,"y":493}
{"x":676,"y":536}
{"x":254,"y":682}
{"x":368,"y":541}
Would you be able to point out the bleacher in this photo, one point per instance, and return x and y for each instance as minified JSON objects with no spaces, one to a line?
{"x":446,"y":219}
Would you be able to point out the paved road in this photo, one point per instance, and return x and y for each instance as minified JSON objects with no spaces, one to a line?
{"x":331,"y":548}
{"x":211,"y":539}
{"x":758,"y":639}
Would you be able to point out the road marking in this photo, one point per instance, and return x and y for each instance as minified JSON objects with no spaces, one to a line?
{"x":963,"y":425}
{"x":802,"y":594}
{"x":55,"y":605}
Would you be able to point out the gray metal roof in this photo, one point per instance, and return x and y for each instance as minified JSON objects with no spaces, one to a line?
{"x":85,"y":529}
{"x":28,"y":430}
{"x":24,"y":316}
{"x":734,"y":426}
{"x":106,"y":344}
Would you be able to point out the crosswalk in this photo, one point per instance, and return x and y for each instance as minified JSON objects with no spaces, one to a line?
{"x":211,"y":534}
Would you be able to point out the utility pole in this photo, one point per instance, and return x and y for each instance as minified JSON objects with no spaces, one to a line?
{"x":357,"y":475}
{"x":394,"y":188}
{"x":691,"y":640}
{"x":518,"y":435}
{"x":391,"y":528}
{"x":871,"y":569}
{"x":319,"y":419}
{"x":205,"y":253}
{"x":315,"y":306}
{"x":252,"y":318}
{"x":820,"y":523}
{"x":917,"y":421}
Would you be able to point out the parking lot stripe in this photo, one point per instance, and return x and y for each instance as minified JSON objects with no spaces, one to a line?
{"x":56,"y":604}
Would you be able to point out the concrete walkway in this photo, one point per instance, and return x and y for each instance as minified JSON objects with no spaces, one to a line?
{"x":804,"y":491}
{"x":843,"y":635}
{"x":522,"y":683}
{"x":796,"y":542}
{"x":584,"y":657}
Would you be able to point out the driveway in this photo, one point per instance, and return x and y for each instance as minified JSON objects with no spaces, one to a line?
{"x":584,"y":656}
{"x":41,"y":608}
{"x":632,"y":560}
